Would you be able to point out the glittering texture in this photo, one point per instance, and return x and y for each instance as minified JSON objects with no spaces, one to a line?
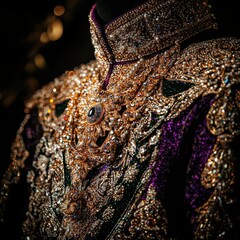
{"x":179,"y":150}
{"x":162,"y":22}
{"x":196,"y":194}
{"x":15,"y":211}
{"x":110,"y":151}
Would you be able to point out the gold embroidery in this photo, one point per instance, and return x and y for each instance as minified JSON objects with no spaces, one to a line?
{"x":150,"y":28}
{"x":19,"y":154}
{"x":147,"y":221}
{"x":219,"y":174}
{"x":90,"y":154}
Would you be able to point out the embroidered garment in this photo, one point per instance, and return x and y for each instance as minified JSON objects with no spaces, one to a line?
{"x":140,"y":143}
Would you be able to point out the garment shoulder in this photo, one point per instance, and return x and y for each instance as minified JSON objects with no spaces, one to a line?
{"x":213,"y":67}
{"x":52,"y":99}
{"x":43,"y":113}
{"x":208,"y":63}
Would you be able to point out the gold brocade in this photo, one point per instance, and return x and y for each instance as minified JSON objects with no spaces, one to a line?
{"x":93,"y":163}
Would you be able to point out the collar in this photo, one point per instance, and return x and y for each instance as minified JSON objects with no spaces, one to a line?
{"x":149,"y":28}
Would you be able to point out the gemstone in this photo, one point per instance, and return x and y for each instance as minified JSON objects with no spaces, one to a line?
{"x":158,"y":28}
{"x":95,"y":114}
{"x":91,"y":112}
{"x":227,"y":80}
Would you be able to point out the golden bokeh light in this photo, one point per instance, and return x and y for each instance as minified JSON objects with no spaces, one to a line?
{"x":44,"y":37}
{"x":59,"y":10}
{"x":55,"y":30}
{"x":39,"y":61}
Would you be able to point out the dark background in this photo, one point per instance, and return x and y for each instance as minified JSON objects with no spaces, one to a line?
{"x":22,"y":22}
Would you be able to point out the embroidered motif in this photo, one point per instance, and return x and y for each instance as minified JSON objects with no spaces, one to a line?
{"x":146,"y":220}
{"x":219,"y":172}
{"x":90,"y":174}
{"x":149,"y":219}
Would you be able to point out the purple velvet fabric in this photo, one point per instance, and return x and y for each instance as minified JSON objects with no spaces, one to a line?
{"x":184,"y":148}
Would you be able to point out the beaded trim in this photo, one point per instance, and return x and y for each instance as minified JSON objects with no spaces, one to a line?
{"x":149,"y":28}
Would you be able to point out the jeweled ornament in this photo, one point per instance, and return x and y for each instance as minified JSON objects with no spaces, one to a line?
{"x":95,"y":114}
